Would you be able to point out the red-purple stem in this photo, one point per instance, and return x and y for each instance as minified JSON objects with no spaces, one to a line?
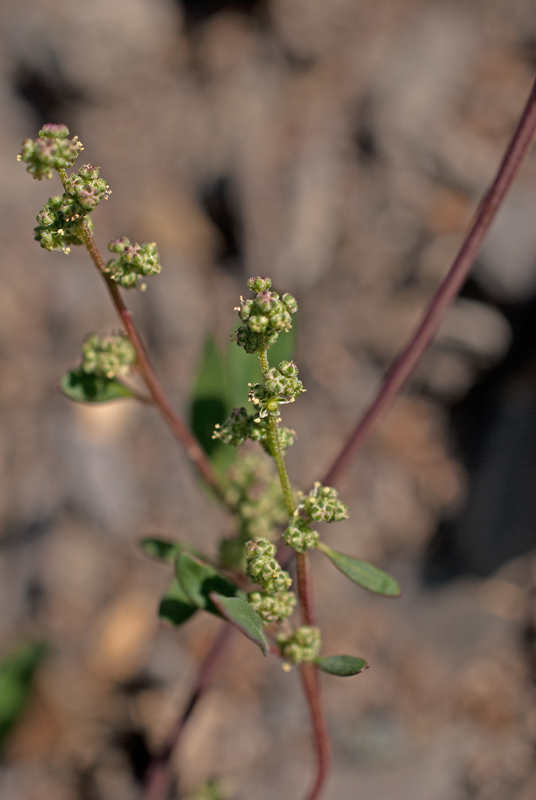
{"x":192,"y":447}
{"x":158,"y":779}
{"x":310,"y":681}
{"x":449,"y":288}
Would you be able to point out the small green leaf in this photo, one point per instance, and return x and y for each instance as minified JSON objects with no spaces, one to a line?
{"x":198,"y":579}
{"x":243,"y":616}
{"x":209,"y":404}
{"x":341,"y":665}
{"x":83,"y":388}
{"x":362,"y":573}
{"x":159,"y":548}
{"x":165,"y":550}
{"x":175,"y":606}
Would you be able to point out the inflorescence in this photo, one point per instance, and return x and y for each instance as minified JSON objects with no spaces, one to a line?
{"x":108,"y":355}
{"x":275,"y":602}
{"x":132,"y":262}
{"x":65,"y":220}
{"x":265,"y":316}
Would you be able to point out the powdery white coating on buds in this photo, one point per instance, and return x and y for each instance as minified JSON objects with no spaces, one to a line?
{"x":302,"y":645}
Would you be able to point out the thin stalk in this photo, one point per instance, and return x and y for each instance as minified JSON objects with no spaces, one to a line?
{"x":308,"y":671}
{"x":399,"y":372}
{"x":193,"y":449}
{"x":159,"y":776}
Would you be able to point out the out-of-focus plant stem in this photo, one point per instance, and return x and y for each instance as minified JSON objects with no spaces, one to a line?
{"x":399,"y":372}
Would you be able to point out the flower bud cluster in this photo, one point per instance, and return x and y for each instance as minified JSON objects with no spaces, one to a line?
{"x":133,"y":261}
{"x":83,"y":192}
{"x":57,"y":230}
{"x":275,"y":602}
{"x":240,"y":426}
{"x":108,"y":355}
{"x":299,"y":535}
{"x":280,"y":386}
{"x":52,"y":150}
{"x":265,"y":316}
{"x":59,"y":220}
{"x":302,"y":645}
{"x":322,"y":504}
{"x":255,"y":497}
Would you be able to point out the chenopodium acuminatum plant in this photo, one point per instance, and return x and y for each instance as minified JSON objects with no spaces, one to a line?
{"x":248,"y":584}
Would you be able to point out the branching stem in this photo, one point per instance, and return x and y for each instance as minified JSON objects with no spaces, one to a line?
{"x":192,"y":447}
{"x":401,"y":369}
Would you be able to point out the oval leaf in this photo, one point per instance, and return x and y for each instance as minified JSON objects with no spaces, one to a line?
{"x":198,"y":579}
{"x":83,"y":388}
{"x":175,"y":606}
{"x":362,"y":573}
{"x":243,"y":616}
{"x":341,"y":665}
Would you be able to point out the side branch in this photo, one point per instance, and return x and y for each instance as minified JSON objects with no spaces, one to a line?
{"x":159,"y":774}
{"x":449,"y":288}
{"x":193,"y":449}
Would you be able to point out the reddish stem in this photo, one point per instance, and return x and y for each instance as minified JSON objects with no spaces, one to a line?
{"x":401,"y":369}
{"x":159,"y":776}
{"x":310,"y":681}
{"x":193,"y":449}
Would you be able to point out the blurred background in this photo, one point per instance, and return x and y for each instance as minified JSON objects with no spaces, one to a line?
{"x":341,"y":148}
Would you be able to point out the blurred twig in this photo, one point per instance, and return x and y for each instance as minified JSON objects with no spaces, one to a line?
{"x":399,"y":372}
{"x":159,"y":775}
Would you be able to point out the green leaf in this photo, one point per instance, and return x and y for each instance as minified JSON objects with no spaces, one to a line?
{"x":209,"y":403}
{"x":83,"y":388}
{"x":165,"y":550}
{"x":17,"y":670}
{"x":362,"y":573}
{"x":243,"y":368}
{"x":341,"y":665}
{"x":175,"y":606}
{"x":198,"y":579}
{"x":160,"y":548}
{"x":243,"y":616}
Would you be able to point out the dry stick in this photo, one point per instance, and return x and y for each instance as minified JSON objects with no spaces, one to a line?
{"x":193,"y":449}
{"x":158,"y":778}
{"x":403,"y":366}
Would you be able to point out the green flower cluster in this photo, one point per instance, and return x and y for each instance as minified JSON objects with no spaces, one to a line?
{"x":280,"y":386}
{"x":56,"y":230}
{"x":275,"y":602}
{"x":255,"y":497}
{"x":59,"y":219}
{"x":108,"y":355}
{"x":299,"y":535}
{"x":266,"y":316}
{"x":52,"y":150}
{"x":302,"y":645}
{"x":322,"y":504}
{"x":133,"y":261}
{"x":240,"y":426}
{"x":83,"y":192}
